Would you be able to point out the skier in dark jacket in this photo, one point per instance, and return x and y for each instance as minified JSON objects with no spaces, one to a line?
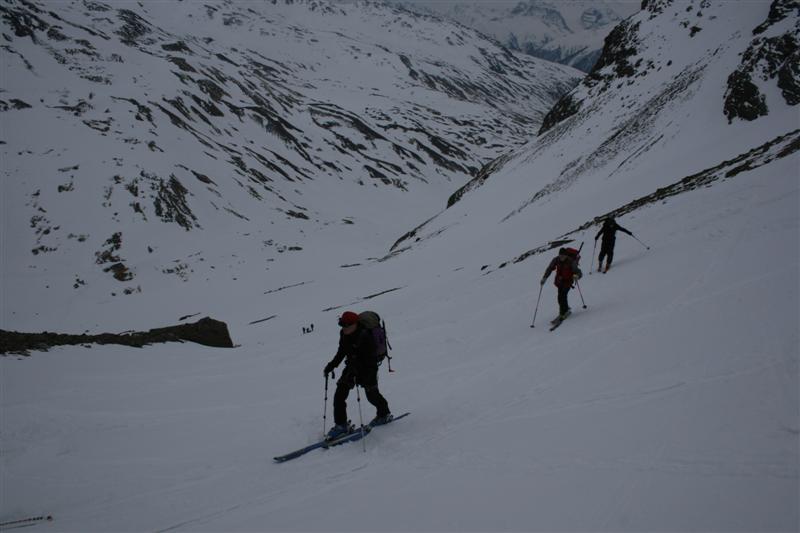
{"x":357,"y":349}
{"x":609,"y":233}
{"x":567,"y":273}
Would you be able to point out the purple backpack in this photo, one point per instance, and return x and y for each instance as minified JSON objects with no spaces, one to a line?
{"x":371,"y":322}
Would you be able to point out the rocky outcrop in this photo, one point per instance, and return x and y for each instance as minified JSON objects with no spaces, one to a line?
{"x":206,"y":331}
{"x":772,"y":57}
{"x":614,"y":63}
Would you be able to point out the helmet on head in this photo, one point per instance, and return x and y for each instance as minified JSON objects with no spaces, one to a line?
{"x":348,"y":318}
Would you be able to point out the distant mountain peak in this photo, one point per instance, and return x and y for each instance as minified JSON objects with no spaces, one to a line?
{"x":565,"y":32}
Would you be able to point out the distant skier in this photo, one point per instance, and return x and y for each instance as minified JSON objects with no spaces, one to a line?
{"x":567,"y":273}
{"x":357,"y":348}
{"x":609,"y":233}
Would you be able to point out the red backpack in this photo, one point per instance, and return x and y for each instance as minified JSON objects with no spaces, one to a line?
{"x":564,"y":272}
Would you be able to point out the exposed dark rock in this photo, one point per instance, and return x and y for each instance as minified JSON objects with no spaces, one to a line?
{"x":96,"y":6}
{"x":134,"y":27}
{"x":121,"y":272}
{"x":778,"y":10}
{"x":113,"y":243}
{"x":203,"y":178}
{"x":178,"y":46}
{"x":296,"y":214}
{"x":14,"y":103}
{"x":212,"y":89}
{"x":613,"y":64}
{"x":656,"y":7}
{"x":142,"y":111}
{"x":206,"y":331}
{"x":766,"y":59}
{"x":182,"y":64}
{"x":78,"y":109}
{"x":789,"y":79}
{"x":564,"y":108}
{"x":24,"y":23}
{"x":482,"y":175}
{"x":170,"y":203}
{"x":743,"y":99}
{"x":619,"y":46}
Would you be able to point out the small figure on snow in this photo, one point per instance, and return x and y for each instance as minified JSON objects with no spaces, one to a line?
{"x":567,"y":273}
{"x":609,"y":233}
{"x":357,"y":348}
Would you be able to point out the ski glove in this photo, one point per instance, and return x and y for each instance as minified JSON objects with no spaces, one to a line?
{"x":543,"y":281}
{"x":329,"y":368}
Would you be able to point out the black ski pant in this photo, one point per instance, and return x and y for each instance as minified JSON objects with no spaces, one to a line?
{"x":606,"y":250}
{"x":563,"y":304}
{"x":367,"y":378}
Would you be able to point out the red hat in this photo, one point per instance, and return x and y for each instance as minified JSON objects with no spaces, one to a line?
{"x":348,"y":318}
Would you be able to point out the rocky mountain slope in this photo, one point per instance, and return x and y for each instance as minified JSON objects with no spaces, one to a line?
{"x":127,"y":127}
{"x":684,"y":95}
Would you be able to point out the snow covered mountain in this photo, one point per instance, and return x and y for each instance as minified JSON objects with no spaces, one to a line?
{"x":569,"y":32}
{"x":682,"y":96}
{"x":132,"y":133}
{"x":668,"y":401}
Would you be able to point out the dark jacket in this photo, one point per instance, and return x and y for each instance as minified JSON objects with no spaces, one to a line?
{"x":358,"y":349}
{"x":609,"y":232}
{"x":566,"y":268}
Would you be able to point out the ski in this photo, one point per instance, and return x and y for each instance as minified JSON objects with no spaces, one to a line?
{"x":298,"y":453}
{"x":353,"y":436}
{"x":558,"y":320}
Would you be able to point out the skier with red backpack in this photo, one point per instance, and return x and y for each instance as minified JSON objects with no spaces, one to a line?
{"x":567,"y":273}
{"x":362,"y":345}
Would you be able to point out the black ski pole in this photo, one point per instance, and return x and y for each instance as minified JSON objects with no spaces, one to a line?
{"x":640,"y":242}
{"x":325,"y":408}
{"x":361,"y":420}
{"x":541,"y":286}
{"x":581,"y":293}
{"x":591,"y":263}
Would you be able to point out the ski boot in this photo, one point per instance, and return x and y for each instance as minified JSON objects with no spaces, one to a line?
{"x":381,"y":420}
{"x":339,"y":430}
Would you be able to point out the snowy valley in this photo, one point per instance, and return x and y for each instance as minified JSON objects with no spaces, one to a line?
{"x":569,"y":32}
{"x":359,"y":157}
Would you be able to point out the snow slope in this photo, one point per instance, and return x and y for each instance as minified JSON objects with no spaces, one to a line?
{"x":134,"y":134}
{"x":669,"y":403}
